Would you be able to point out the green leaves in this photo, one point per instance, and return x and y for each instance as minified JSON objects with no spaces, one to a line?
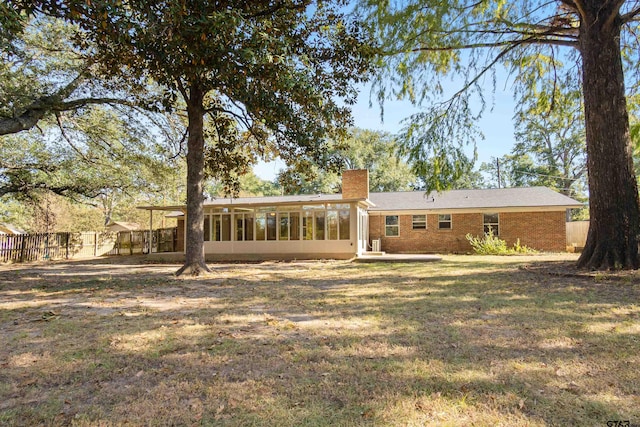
{"x":361,"y":149}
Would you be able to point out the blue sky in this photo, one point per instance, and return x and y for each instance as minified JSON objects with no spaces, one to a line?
{"x":496,"y":124}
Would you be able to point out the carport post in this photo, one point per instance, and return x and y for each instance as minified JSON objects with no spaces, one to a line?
{"x":150,"y":229}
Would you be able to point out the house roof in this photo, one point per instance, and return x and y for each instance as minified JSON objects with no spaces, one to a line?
{"x":531,"y":197}
{"x":125,"y":225}
{"x":263,"y":201}
{"x":10,"y":229}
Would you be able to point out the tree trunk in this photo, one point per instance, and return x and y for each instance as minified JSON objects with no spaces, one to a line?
{"x":194,"y":239}
{"x":612,"y":241}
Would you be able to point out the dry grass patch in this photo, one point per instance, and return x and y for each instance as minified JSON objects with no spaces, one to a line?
{"x":467,"y":341}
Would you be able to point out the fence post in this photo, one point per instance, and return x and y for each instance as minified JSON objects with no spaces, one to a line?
{"x":22,"y":247}
{"x":67,"y":246}
{"x":95,"y":243}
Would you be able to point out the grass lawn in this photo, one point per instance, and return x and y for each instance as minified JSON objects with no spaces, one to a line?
{"x":467,"y":341}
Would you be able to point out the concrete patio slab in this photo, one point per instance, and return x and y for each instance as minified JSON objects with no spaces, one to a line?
{"x":398,"y":258}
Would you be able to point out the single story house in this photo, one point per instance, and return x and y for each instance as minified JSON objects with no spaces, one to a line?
{"x":356,"y":221}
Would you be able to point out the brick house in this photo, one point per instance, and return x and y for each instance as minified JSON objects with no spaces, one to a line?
{"x":355,"y":222}
{"x":413,"y":222}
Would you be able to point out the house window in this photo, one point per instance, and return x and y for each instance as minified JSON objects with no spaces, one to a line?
{"x":444,"y":221}
{"x":284,"y":226}
{"x":221,"y":229}
{"x":491,"y":223}
{"x":319,"y":225}
{"x":261,"y":226}
{"x":345,"y":224}
{"x":272,"y":224}
{"x":294,"y":225}
{"x":392,"y":226}
{"x":244,"y":225}
{"x":307,"y":225}
{"x":207,"y":228}
{"x":419,"y":222}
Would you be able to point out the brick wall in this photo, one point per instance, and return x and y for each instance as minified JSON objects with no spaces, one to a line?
{"x":539,"y":230}
{"x":355,"y":184}
{"x":544,"y":231}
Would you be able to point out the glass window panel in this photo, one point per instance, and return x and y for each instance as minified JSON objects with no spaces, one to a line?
{"x":491,"y":221}
{"x":207,"y":228}
{"x":266,"y":209}
{"x":248,"y":227}
{"x":225,"y":231}
{"x":261,"y":226}
{"x":307,"y":226}
{"x":332,"y":225}
{"x":338,"y":206}
{"x":444,"y":221}
{"x":313,"y":207}
{"x":319,"y":225}
{"x":239,"y":227}
{"x":294,"y":226}
{"x":216,"y":228}
{"x":271,"y":226}
{"x":284,"y":226}
{"x":345,"y":225}
{"x":419,"y":222}
{"x":392,"y":227}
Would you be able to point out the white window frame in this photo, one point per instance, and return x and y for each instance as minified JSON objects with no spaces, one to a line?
{"x":393,"y":226}
{"x":419,"y":223}
{"x":445,"y":221}
{"x":495,"y":226}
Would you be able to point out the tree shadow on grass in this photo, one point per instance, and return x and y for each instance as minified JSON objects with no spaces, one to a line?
{"x":361,"y":346}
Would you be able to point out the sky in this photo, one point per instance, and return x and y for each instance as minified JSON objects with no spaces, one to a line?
{"x":496,"y":124}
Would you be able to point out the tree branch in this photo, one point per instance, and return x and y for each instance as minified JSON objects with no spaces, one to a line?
{"x":630,"y":16}
{"x":270,"y":11}
{"x":34,"y":112}
{"x":615,"y":13}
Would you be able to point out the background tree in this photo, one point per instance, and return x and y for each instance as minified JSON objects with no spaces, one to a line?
{"x":362,"y":149}
{"x":550,"y":129}
{"x":249,"y":185}
{"x":66,"y":132}
{"x":44,"y":74}
{"x":424,"y":39}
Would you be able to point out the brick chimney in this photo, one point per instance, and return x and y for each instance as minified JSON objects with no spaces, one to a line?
{"x":355,"y":184}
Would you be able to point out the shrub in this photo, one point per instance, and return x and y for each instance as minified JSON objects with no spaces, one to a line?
{"x":489,"y":244}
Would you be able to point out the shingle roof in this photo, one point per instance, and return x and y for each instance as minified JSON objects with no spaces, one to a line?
{"x":472,"y":199}
{"x":532,"y":197}
{"x":10,"y":229}
{"x":301,"y":198}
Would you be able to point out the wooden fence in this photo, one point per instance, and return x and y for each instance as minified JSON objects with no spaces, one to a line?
{"x":50,"y":246}
{"x":577,"y":233}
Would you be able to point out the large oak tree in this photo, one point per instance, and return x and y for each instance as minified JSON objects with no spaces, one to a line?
{"x":581,"y":40}
{"x":277,"y":69}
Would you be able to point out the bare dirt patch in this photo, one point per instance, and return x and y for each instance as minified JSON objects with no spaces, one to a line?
{"x":469,"y":340}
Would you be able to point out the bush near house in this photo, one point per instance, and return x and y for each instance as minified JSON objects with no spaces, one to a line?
{"x":489,"y":244}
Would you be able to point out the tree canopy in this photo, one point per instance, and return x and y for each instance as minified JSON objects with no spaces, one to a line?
{"x":264,"y":75}
{"x":539,"y":43}
{"x":362,"y":149}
